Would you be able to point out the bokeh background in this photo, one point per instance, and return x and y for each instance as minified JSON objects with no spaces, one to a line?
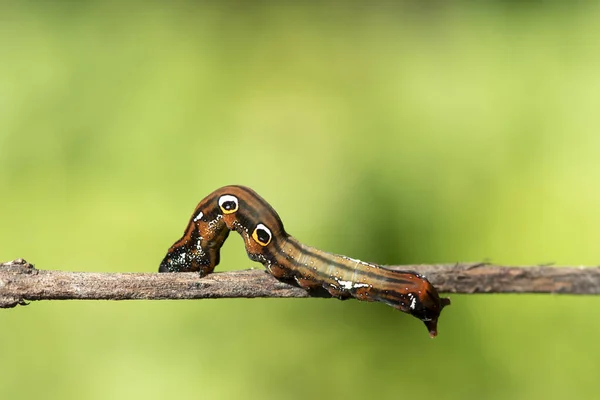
{"x":412,"y":133}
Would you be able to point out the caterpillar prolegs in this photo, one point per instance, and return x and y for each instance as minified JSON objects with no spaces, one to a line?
{"x":240,"y":209}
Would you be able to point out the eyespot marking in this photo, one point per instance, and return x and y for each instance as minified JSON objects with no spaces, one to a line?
{"x":199,"y":216}
{"x":262,"y":235}
{"x":228,"y":204}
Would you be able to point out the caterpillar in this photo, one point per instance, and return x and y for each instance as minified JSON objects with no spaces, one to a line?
{"x":241,"y":209}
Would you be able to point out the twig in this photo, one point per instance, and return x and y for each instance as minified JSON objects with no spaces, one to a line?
{"x":21,"y":282}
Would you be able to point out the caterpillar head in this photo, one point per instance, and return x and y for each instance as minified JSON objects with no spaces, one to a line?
{"x":185,"y":258}
{"x":199,"y":248}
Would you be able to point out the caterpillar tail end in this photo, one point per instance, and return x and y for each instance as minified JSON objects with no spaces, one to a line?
{"x":431,"y":327}
{"x":431,"y":323}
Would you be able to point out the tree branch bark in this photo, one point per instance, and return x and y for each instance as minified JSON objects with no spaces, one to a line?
{"x":21,"y":282}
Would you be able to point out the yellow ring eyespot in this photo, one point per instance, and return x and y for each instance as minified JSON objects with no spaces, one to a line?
{"x":228,"y":204}
{"x":262,"y":235}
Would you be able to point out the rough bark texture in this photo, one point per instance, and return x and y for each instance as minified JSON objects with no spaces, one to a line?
{"x":21,"y":282}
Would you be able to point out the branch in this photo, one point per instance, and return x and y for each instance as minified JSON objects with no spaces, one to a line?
{"x":20,"y":282}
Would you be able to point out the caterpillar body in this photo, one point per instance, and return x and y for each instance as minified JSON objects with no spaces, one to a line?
{"x":241,"y":209}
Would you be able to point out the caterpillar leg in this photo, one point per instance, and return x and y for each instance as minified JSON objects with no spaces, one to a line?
{"x":307,"y":284}
{"x":337,"y":293}
{"x":279,"y":273}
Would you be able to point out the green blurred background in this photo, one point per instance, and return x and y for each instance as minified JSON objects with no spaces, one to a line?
{"x":413,"y":133}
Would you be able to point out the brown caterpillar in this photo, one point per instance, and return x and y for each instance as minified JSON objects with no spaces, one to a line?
{"x":241,"y":209}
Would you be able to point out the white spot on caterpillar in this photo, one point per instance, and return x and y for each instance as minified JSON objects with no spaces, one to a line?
{"x":213,"y":224}
{"x":351,"y":285}
{"x":199,"y":248}
{"x":267,"y":264}
{"x":199,"y":217}
{"x":413,"y":301}
{"x":357,"y":261}
{"x":345,"y":284}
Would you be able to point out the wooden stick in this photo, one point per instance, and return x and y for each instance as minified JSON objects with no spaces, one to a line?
{"x":21,"y":282}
